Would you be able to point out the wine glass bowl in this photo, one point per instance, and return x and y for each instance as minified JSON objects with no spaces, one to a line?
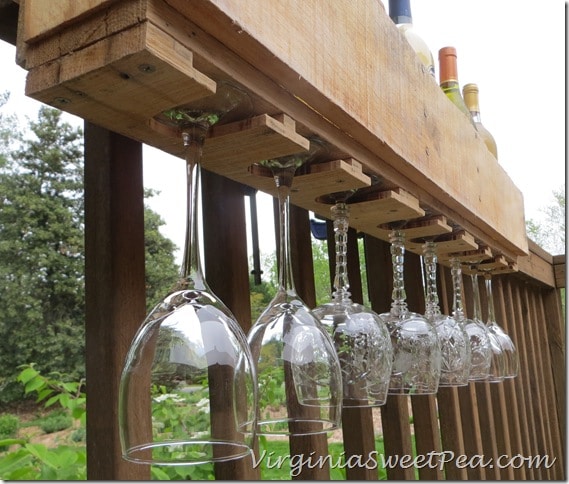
{"x":497,"y":363}
{"x":416,"y":365}
{"x":479,"y":341}
{"x":299,"y":377}
{"x":510,"y":354}
{"x":188,"y":388}
{"x":360,"y":337}
{"x":453,"y":339}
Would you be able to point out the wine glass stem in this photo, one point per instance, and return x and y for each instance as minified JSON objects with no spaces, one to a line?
{"x":458,"y":309}
{"x":340,"y":215}
{"x":193,"y":138}
{"x":283,"y":179}
{"x":477,"y":310}
{"x":397,"y":258}
{"x":432,"y":297}
{"x":488,"y":283}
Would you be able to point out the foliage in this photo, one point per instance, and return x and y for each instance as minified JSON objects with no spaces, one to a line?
{"x":9,"y":425}
{"x":41,"y":249}
{"x":550,"y":232}
{"x":42,"y":279}
{"x":160,"y":264}
{"x":55,"y":423}
{"x":36,"y":461}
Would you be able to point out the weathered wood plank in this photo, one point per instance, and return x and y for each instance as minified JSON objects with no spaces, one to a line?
{"x":334,"y":99}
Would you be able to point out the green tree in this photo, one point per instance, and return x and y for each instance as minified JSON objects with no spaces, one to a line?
{"x":161,"y":268}
{"x":549,"y":233}
{"x":42,"y":249}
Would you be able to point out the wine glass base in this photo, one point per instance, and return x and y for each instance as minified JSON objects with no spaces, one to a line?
{"x":289,"y":426}
{"x":187,"y":452}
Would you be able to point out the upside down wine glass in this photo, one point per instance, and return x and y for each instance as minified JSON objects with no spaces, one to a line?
{"x":480,"y":349}
{"x":360,"y":337}
{"x":454,"y":342}
{"x":188,"y":387}
{"x":497,"y":359}
{"x":416,"y":350}
{"x":511,"y":361}
{"x":300,"y":382}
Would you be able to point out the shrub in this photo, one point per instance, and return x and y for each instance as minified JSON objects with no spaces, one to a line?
{"x":9,"y":425}
{"x":56,"y":423}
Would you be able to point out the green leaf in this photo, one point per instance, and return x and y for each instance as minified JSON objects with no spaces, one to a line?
{"x":34,"y":385}
{"x":27,"y":374}
{"x":158,"y":474}
{"x":42,"y":453}
{"x":7,"y":442}
{"x":52,"y":400}
{"x":43,"y":394}
{"x":13,"y":461}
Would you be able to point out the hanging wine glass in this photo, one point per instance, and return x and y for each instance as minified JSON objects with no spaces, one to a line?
{"x":497,"y":363}
{"x":453,"y":339}
{"x":360,"y":337}
{"x":299,"y":377}
{"x":189,"y":363}
{"x":416,"y":365}
{"x":511,"y":360}
{"x":480,"y":349}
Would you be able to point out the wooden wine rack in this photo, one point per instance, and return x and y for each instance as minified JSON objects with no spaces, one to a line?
{"x":387,"y":129}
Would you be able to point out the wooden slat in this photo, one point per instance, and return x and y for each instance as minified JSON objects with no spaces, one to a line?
{"x":449,"y":408}
{"x":427,"y":433}
{"x":525,"y":381}
{"x":484,"y":404}
{"x":395,"y":413}
{"x":446,"y":244}
{"x":225,"y":251}
{"x":384,"y":207}
{"x":397,"y":437}
{"x":450,"y":416}
{"x":508,"y":318}
{"x":535,"y":380}
{"x":560,"y":270}
{"x":549,"y":384}
{"x":536,"y":266}
{"x":467,"y":438}
{"x":556,"y":339}
{"x":114,"y":290}
{"x":303,"y":274}
{"x":357,"y":423}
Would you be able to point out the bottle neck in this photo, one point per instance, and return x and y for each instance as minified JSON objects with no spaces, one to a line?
{"x":470,"y":96}
{"x":400,"y":11}
{"x":448,"y":71}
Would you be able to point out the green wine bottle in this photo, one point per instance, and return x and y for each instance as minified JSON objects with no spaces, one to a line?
{"x":448,"y":79}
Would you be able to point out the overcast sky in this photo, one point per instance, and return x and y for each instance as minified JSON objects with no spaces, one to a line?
{"x":513,"y":49}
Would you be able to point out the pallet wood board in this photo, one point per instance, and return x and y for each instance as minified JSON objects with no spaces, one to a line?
{"x":279,"y":42}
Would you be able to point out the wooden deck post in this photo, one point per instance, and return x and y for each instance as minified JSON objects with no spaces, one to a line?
{"x":115,"y":289}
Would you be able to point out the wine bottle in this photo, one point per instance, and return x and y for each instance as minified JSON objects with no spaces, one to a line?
{"x":470,"y":94}
{"x":448,"y":79}
{"x":400,"y":13}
